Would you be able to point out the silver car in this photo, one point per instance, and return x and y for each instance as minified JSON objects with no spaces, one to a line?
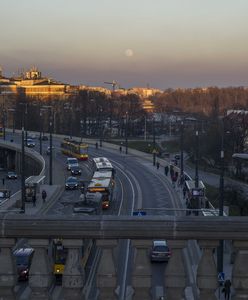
{"x":160,"y":251}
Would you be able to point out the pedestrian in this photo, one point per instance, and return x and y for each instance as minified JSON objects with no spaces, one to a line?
{"x":166,"y":170}
{"x":44,"y":195}
{"x":34,"y":200}
{"x":184,"y":191}
{"x":158,"y":165}
{"x":227,"y":289}
{"x":96,"y":145}
{"x":120,"y":149}
{"x":3,"y":181}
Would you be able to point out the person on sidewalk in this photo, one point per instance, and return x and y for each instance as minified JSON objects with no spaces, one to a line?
{"x":34,"y":200}
{"x":227,"y":289}
{"x":158,"y":165}
{"x":166,"y":170}
{"x":120,"y":149}
{"x":44,"y":195}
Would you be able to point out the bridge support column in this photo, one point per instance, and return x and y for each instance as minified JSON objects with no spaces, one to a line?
{"x":74,"y":274}
{"x":40,"y":274}
{"x":207,"y":277}
{"x":142,"y":273}
{"x":8,"y":273}
{"x":106,"y":273}
{"x":240,"y":275}
{"x":175,"y":276}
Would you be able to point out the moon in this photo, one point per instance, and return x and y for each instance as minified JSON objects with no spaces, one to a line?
{"x":129,"y":52}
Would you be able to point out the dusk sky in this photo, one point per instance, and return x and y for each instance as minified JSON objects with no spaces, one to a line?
{"x":163,"y":43}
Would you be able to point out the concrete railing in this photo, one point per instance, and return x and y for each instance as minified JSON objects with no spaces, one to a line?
{"x":108,"y":231}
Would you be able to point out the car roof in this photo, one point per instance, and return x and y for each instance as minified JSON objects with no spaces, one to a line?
{"x":23,"y":251}
{"x":160,"y":243}
{"x":72,"y":178}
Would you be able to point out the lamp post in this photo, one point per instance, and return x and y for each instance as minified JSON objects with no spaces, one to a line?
{"x":181,"y":154}
{"x":41,"y":127}
{"x":81,"y":129}
{"x":51,"y":151}
{"x":23,"y":174}
{"x":3,"y":120}
{"x":154,"y":143}
{"x":196,"y":158}
{"x":13,"y":118}
{"x":126,"y":141}
{"x":24,"y":119}
{"x":221,"y":200}
{"x":100,"y":124}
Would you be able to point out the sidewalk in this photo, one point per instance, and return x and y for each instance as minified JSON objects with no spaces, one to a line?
{"x":53,"y":192}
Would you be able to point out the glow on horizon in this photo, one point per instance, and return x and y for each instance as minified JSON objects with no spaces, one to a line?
{"x":163,"y":43}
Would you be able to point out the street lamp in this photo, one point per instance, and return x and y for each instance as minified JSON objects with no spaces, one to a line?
{"x":154,"y":143}
{"x":51,"y":151}
{"x":23,"y":174}
{"x":24,"y":119}
{"x":181,"y":154}
{"x":13,"y":118}
{"x":3,"y":120}
{"x":81,"y":129}
{"x":221,"y":198}
{"x":126,"y":141}
{"x":41,"y":127}
{"x":196,"y":158}
{"x":100,"y":124}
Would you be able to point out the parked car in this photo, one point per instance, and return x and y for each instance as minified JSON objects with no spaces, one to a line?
{"x":11,"y":175}
{"x":160,"y":251}
{"x":71,"y":183}
{"x":75,"y":170}
{"x":23,"y":258}
{"x":30,"y":143}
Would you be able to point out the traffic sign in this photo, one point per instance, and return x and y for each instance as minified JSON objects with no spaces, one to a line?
{"x":139,"y":213}
{"x":221,"y":277}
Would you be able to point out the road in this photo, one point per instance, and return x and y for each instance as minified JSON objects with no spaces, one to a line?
{"x":138,"y":186}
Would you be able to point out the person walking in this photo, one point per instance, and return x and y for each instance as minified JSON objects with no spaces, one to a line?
{"x":44,"y":195}
{"x":96,"y":145}
{"x":34,"y":200}
{"x":166,"y":170}
{"x":158,"y":165}
{"x":227,"y":289}
{"x":120,"y":149}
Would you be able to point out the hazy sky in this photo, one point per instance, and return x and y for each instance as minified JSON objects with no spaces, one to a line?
{"x":163,"y":43}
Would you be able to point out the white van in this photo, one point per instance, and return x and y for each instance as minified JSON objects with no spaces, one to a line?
{"x":71,"y":161}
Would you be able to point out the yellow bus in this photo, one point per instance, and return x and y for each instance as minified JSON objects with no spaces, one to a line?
{"x":75,"y":149}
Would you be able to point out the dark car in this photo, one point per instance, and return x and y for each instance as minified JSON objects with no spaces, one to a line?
{"x":44,"y":138}
{"x":11,"y":175}
{"x":177,"y":156}
{"x":71,"y":183}
{"x":160,"y":251}
{"x":23,"y":262}
{"x":75,"y":170}
{"x":30,"y":143}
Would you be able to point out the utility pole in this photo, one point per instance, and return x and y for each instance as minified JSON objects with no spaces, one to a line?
{"x":196,"y":158}
{"x":41,"y":132}
{"x":23,"y":175}
{"x":126,"y":141}
{"x":154,"y":143}
{"x":51,"y":151}
{"x":181,"y":154}
{"x":221,"y":199}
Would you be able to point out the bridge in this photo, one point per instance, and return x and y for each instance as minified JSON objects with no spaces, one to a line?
{"x":109,"y":233}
